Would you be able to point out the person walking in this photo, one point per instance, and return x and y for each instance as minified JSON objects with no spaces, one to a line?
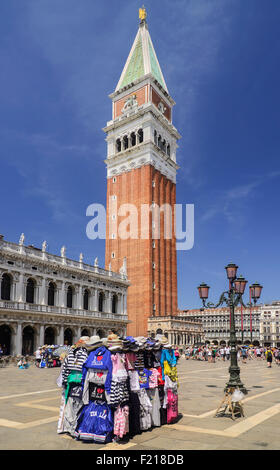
{"x":214,"y":351}
{"x":38,"y":357}
{"x":277,"y":356}
{"x":269,"y":357}
{"x":187,"y":354}
{"x":227,"y":353}
{"x":177,"y":354}
{"x":244,"y":354}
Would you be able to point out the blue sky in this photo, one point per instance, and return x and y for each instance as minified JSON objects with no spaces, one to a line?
{"x":221,"y":61}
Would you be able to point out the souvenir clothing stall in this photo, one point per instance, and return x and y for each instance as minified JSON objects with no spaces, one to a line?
{"x":115,"y":387}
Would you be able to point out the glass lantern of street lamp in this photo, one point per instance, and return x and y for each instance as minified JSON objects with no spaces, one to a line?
{"x":231,"y":269}
{"x":240,"y":285}
{"x":256,"y":290}
{"x":203,"y":290}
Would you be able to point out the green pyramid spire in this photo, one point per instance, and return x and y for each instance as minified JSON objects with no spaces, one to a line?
{"x":142,"y":60}
{"x":135,"y":68}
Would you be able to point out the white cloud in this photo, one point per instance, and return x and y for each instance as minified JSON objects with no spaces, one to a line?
{"x":229,"y":203}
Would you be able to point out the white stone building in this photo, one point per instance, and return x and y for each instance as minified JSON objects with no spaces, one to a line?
{"x":180,"y":330}
{"x":50,"y":299}
{"x":270,"y":324}
{"x":216,"y":323}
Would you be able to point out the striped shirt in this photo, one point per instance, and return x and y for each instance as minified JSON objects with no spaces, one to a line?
{"x":74,"y":361}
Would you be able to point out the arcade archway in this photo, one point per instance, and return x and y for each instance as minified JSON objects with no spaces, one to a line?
{"x":28,"y":336}
{"x":5,"y":339}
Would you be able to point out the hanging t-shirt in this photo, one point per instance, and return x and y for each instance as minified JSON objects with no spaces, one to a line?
{"x":145,"y":410}
{"x":139,"y":362}
{"x":119,"y":394}
{"x":144,"y":376}
{"x":171,"y":371}
{"x":134,"y":380}
{"x":160,"y":378}
{"x":119,"y":371}
{"x":130,"y":359}
{"x":153,"y":380}
{"x":155,"y":401}
{"x":97,"y":392}
{"x":75,"y":391}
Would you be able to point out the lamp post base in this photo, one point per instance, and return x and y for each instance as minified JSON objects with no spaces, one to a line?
{"x":234,"y":380}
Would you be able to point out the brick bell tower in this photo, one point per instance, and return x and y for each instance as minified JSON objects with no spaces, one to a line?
{"x":141,"y":172}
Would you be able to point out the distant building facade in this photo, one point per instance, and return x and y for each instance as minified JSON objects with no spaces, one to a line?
{"x":216,"y":323}
{"x":179,"y":329}
{"x":270,"y":324}
{"x":50,"y":299}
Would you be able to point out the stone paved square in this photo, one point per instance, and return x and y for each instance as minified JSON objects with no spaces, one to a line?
{"x":30,"y":399}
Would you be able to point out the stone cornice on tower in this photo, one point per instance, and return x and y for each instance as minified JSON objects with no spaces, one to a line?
{"x":148,"y":78}
{"x":140,"y":111}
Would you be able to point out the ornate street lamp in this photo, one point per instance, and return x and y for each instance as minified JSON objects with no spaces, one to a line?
{"x":255,"y":293}
{"x":232,"y":298}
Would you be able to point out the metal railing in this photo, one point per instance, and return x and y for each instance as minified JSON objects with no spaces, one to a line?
{"x":39,"y":255}
{"x":22,"y":306}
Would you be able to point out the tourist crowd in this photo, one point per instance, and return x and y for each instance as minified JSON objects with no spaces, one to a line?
{"x":212,"y":353}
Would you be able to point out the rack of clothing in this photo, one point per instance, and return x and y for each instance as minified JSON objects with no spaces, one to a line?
{"x":117,"y":387}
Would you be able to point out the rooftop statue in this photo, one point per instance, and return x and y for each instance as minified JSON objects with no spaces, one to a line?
{"x":63,"y":251}
{"x":21,"y":240}
{"x":142,"y":14}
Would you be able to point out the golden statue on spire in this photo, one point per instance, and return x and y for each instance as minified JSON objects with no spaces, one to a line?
{"x":142,"y":14}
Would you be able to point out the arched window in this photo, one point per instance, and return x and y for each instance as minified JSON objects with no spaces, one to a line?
{"x":28,"y":340}
{"x":5,"y":339}
{"x":85,"y":332}
{"x":70,"y":297}
{"x":159,"y":141}
{"x":140,"y":136}
{"x":86,"y":297}
{"x":125,"y":142}
{"x":168,"y":150}
{"x":101,"y":333}
{"x":30,"y":291}
{"x":100,"y":302}
{"x":114,"y":303}
{"x":51,"y":292}
{"x":49,"y":337}
{"x":155,"y":137}
{"x":118,"y":145}
{"x":6,"y":285}
{"x":133,"y":139}
{"x":68,"y":337}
